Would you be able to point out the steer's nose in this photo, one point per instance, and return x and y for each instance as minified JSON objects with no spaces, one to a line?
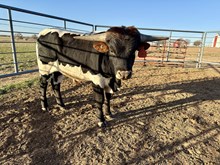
{"x":123,"y":75}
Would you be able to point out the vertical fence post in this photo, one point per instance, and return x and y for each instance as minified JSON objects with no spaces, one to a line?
{"x":168,"y":50}
{"x":201,"y":52}
{"x":13,"y":41}
{"x":64,"y":24}
{"x":95,"y":28}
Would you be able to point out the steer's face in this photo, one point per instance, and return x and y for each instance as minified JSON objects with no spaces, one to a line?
{"x":122,"y":43}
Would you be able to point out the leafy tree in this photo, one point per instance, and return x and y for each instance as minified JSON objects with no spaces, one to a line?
{"x":187,"y":41}
{"x":19,"y":36}
{"x":197,"y":43}
{"x":34,"y":36}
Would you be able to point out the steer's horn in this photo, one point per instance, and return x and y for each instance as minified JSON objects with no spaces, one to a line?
{"x":147,"y":38}
{"x":93,"y":37}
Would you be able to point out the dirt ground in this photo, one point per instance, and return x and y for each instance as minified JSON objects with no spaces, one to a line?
{"x":162,"y":116}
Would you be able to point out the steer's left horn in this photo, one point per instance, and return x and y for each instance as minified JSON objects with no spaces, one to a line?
{"x":148,"y":38}
{"x":93,"y":37}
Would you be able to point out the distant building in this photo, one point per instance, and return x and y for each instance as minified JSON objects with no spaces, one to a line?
{"x":216,"y":41}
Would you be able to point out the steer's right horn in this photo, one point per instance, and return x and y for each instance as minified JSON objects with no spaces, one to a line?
{"x":148,"y":38}
{"x":93,"y":37}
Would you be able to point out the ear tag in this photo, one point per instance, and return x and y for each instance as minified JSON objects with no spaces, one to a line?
{"x":142,"y":52}
{"x":101,"y":47}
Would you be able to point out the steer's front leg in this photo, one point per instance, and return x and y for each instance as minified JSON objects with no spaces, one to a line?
{"x":99,"y":101}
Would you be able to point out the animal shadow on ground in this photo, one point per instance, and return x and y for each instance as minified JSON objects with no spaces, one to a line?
{"x":201,"y":90}
{"x":39,"y":136}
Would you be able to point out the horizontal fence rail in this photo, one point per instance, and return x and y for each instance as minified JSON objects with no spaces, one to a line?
{"x":44,"y":15}
{"x":163,"y":53}
{"x":18,"y":37}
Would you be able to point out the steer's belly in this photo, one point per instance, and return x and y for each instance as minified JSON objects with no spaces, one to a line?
{"x":46,"y":69}
{"x":75,"y":72}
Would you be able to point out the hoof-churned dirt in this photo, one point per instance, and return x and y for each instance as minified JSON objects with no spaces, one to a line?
{"x":161,"y":116}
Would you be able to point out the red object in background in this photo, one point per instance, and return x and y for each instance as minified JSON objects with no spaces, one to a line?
{"x":176,"y":44}
{"x":215,"y":41}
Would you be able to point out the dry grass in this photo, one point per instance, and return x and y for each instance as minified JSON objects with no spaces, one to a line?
{"x":26,"y":56}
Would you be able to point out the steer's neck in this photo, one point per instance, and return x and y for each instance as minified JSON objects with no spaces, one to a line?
{"x":106,"y":66}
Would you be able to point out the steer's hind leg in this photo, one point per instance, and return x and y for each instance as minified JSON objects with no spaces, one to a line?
{"x":55,"y":82}
{"x":99,"y":101}
{"x":43,"y":91}
{"x":108,"y":113}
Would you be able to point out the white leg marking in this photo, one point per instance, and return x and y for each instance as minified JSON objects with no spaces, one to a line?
{"x":60,"y":78}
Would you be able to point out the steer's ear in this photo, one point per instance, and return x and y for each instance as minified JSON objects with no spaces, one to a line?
{"x":100,"y":47}
{"x":144,"y":46}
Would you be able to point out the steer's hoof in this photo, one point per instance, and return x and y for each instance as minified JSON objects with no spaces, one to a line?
{"x":102,"y":124}
{"x":45,"y":109}
{"x":61,"y":105}
{"x":109,"y":117}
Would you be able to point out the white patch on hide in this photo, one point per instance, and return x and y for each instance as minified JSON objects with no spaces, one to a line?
{"x":46,"y":69}
{"x":76,"y":72}
{"x":59,"y":80}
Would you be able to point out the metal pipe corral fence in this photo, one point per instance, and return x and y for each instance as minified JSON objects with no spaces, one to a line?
{"x":18,"y":37}
{"x":11,"y":58}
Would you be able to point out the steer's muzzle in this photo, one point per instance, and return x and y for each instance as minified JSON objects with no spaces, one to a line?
{"x":123,"y":75}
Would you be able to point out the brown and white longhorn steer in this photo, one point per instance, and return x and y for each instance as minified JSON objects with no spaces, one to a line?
{"x":103,"y":58}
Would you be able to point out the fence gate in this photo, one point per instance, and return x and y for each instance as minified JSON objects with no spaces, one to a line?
{"x":210,"y":53}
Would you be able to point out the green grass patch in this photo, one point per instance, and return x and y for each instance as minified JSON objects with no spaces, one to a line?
{"x":26,"y":56}
{"x":21,"y":85}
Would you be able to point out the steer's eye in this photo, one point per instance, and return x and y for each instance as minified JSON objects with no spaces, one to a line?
{"x":108,"y":40}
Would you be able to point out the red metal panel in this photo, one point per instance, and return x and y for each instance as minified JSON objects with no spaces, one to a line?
{"x":215,"y":41}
